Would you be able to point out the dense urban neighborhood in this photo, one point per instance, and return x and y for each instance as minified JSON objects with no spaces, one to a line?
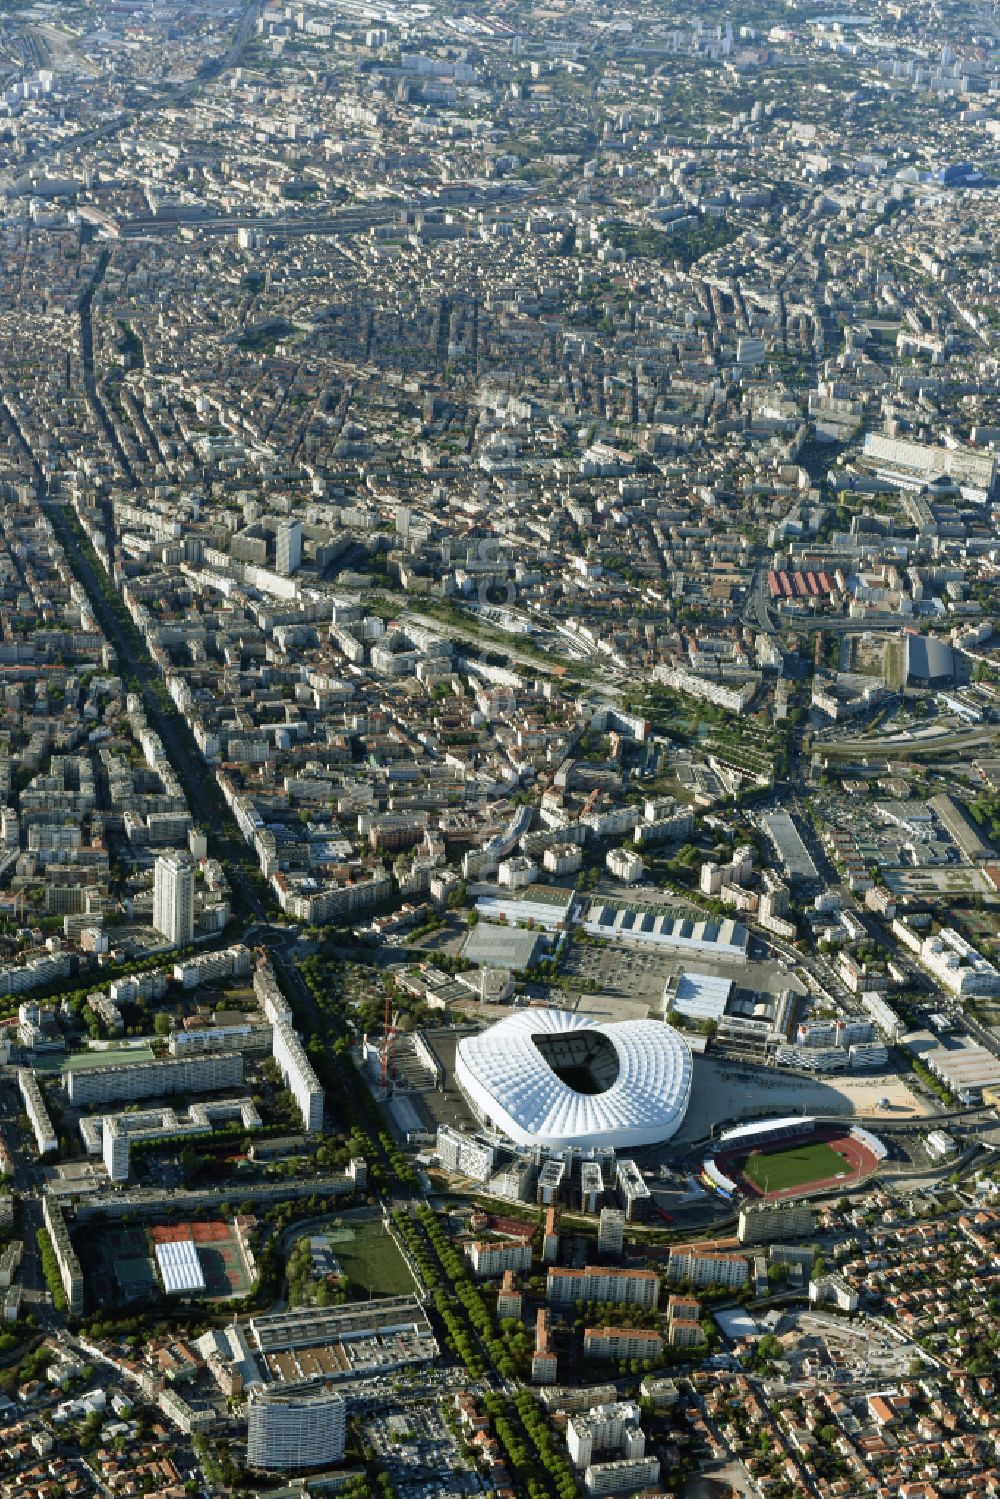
{"x":499,"y":750}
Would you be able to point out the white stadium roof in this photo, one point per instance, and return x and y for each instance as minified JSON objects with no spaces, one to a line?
{"x":549,"y":1077}
{"x":786,"y":1125}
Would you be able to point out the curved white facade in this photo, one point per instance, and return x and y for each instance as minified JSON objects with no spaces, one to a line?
{"x":641,"y":1072}
{"x":299,"y":1428}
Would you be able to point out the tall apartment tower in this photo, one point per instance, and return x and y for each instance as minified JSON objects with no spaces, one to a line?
{"x":173,"y":898}
{"x":288,"y":548}
{"x":611,"y":1232}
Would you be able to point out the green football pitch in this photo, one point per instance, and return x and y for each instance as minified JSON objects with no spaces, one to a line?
{"x":776,"y":1171}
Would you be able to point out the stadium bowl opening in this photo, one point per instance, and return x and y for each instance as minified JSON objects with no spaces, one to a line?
{"x":585,"y":1061}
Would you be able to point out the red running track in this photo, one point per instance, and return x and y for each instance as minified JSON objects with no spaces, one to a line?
{"x":859,"y":1164}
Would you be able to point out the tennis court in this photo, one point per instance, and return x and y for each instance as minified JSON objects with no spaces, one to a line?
{"x":126,"y":1241}
{"x":219,"y":1254}
{"x":212,"y":1231}
{"x":334,"y":1236}
{"x":127,"y":1251}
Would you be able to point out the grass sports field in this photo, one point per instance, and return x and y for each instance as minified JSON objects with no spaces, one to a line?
{"x":371,"y":1261}
{"x":778,"y":1170}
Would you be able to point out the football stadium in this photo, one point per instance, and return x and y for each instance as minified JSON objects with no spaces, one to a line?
{"x":552,"y":1078}
{"x":779,"y":1159}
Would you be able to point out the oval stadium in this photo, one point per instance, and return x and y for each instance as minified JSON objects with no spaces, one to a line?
{"x":548,"y":1077}
{"x":780,"y":1159}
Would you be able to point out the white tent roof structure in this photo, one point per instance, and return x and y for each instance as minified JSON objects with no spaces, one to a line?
{"x":179,"y":1266}
{"x":549,"y":1077}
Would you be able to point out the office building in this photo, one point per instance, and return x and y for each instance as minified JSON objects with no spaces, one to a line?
{"x":591,"y":1186}
{"x":705,"y":1267}
{"x":959,"y":966}
{"x":10,"y":1261}
{"x":36,"y":973}
{"x":833,"y":1290}
{"x":578,"y":1398}
{"x":509,"y":1298}
{"x":550,"y":1182}
{"x":684,"y":1322}
{"x":254,"y":1039}
{"x":113,"y":1135}
{"x":605,"y":1428}
{"x":771,"y":1225}
{"x":550,"y":1236}
{"x":173,"y":898}
{"x":661,"y":1391}
{"x":915,"y":465}
{"x":203,"y":968}
{"x":633,"y":1194}
{"x":70,"y":1272}
{"x":498,"y":1256}
{"x":38,"y":1115}
{"x":626,"y":1475}
{"x":621,"y":1342}
{"x":116,"y":1150}
{"x":543,"y":1360}
{"x":468,"y":1155}
{"x":300,"y":1428}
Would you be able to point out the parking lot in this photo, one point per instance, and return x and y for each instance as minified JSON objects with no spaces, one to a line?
{"x":636,"y":978}
{"x":423,"y":1458}
{"x":617,"y":971}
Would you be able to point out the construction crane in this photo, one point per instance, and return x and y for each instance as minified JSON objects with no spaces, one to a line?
{"x":389,"y":1033}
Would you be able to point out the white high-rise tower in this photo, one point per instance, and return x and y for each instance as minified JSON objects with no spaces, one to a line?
{"x":173,"y":898}
{"x":288,"y":548}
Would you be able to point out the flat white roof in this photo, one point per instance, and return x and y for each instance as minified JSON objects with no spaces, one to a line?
{"x":179,"y":1266}
{"x":702,"y":996}
{"x":737,"y":1324}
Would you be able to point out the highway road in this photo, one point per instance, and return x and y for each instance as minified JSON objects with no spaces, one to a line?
{"x":353,"y":219}
{"x":757,"y":612}
{"x":199,"y":786}
{"x":89,"y":377}
{"x":979,"y":1032}
{"x":896,"y":747}
{"x":838,"y":626}
{"x":757,"y":605}
{"x":27,"y":1181}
